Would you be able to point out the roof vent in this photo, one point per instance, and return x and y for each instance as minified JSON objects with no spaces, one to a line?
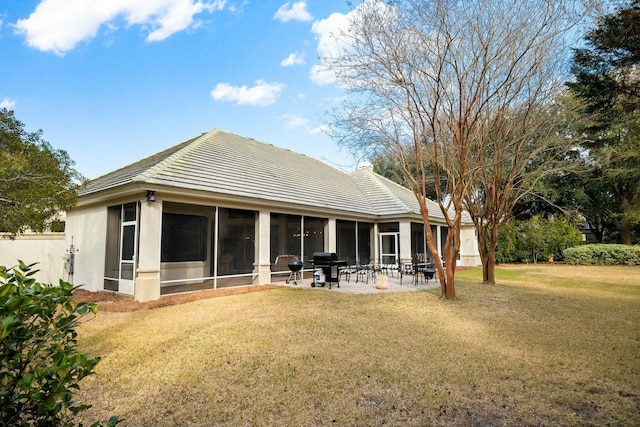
{"x":365,"y":165}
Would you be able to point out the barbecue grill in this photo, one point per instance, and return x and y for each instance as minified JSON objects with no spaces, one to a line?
{"x":330,"y":265}
{"x":295,"y":265}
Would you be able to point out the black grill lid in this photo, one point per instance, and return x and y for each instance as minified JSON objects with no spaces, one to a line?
{"x":295,"y":264}
{"x":324,"y":256}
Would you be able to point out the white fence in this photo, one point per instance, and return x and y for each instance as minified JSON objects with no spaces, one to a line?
{"x":47,"y":250}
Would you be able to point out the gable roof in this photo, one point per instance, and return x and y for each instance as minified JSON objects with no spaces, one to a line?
{"x":225,"y":163}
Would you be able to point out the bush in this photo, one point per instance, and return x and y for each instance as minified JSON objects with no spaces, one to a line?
{"x":601,"y":254}
{"x":39,"y":363}
{"x":535,"y":239}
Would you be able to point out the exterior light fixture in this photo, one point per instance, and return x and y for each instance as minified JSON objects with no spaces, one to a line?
{"x":151,"y":196}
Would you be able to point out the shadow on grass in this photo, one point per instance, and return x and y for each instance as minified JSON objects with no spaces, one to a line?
{"x":525,"y":352}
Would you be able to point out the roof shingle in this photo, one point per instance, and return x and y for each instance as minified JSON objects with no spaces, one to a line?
{"x":222,"y":162}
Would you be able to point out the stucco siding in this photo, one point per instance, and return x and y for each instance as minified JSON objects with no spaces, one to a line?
{"x":469,"y":255}
{"x":46,"y":249}
{"x":88,"y":228}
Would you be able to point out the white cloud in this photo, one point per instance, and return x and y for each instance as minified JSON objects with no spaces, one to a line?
{"x":319,"y":130}
{"x":321,"y":76}
{"x":7,"y":103}
{"x":328,"y":33}
{"x":293,"y":121}
{"x":59,"y":25}
{"x":294,"y":58}
{"x":261,"y":94}
{"x":294,"y":12}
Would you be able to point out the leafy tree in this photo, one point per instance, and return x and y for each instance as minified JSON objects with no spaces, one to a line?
{"x":579,"y":190}
{"x":537,"y":238}
{"x":36,"y":181}
{"x":509,"y":247}
{"x":40,"y":365}
{"x":388,"y":166}
{"x":607,"y":80}
{"x":584,"y":193}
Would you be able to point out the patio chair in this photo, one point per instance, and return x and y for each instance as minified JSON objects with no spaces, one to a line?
{"x":348,"y":270}
{"x":419,"y":264}
{"x":390,"y":269}
{"x":364,"y":271}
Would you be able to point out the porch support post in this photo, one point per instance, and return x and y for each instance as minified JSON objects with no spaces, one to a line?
{"x":331,"y":240}
{"x":376,"y":244}
{"x":405,"y":243}
{"x":264,"y":247}
{"x":439,"y":240}
{"x":147,"y":285}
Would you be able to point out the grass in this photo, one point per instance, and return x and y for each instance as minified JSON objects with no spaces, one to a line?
{"x":552,"y":345}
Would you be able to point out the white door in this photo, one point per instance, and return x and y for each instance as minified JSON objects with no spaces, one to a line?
{"x":389,"y":248}
{"x":128,"y":248}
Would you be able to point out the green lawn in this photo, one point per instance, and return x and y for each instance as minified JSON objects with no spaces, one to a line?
{"x":549,"y":345}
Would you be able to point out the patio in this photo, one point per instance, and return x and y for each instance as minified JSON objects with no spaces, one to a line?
{"x":394,"y":284}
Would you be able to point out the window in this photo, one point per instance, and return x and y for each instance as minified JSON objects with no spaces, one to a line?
{"x":236,"y":248}
{"x":184,"y":237}
{"x":365,"y":231}
{"x":286,"y":238}
{"x":417,"y":238}
{"x":313,"y":236}
{"x":346,"y":240}
{"x":389,"y":227}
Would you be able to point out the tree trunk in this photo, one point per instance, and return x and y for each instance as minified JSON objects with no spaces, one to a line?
{"x":598,"y":232}
{"x":489,"y":269}
{"x":446,"y":275}
{"x":625,"y":232}
{"x":624,"y":225}
{"x":445,"y":287}
{"x":487,"y":249}
{"x":484,"y":259}
{"x":450,"y":291}
{"x":451,"y":250}
{"x":490,"y":276}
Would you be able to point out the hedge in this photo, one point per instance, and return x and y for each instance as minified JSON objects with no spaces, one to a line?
{"x":603,"y":254}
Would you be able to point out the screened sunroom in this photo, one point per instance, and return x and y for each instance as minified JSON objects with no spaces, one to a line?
{"x":221,"y":210}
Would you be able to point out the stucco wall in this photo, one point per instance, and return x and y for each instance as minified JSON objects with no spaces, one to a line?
{"x":46,"y":249}
{"x":88,"y":227}
{"x":469,"y":255}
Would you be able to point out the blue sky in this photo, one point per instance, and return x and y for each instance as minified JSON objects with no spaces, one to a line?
{"x":113,"y":81}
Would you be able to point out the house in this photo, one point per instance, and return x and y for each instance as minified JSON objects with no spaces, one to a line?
{"x":223,"y":210}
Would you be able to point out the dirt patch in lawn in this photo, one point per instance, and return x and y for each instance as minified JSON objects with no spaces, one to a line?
{"x":108,"y":301}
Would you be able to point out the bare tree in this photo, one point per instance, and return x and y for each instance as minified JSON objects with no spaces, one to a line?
{"x":453,"y":89}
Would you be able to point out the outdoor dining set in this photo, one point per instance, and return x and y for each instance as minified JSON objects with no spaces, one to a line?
{"x":328,"y":269}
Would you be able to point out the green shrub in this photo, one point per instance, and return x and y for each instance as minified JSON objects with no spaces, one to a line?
{"x":603,"y":254}
{"x":536,"y":239}
{"x":40,"y":365}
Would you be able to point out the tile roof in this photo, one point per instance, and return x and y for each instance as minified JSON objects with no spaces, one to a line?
{"x":225,"y":163}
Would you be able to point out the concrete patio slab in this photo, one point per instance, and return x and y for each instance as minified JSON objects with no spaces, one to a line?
{"x":394,"y":284}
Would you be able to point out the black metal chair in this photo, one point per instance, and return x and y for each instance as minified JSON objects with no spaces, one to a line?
{"x":390,"y":269}
{"x":364,"y":271}
{"x":422,"y":268}
{"x":348,"y":271}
